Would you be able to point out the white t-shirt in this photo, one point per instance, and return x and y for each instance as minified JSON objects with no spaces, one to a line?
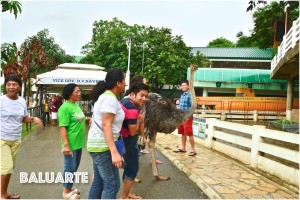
{"x":106,"y":103}
{"x":12,"y":114}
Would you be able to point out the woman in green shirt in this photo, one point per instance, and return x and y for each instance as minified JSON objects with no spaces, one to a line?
{"x":72,"y":130}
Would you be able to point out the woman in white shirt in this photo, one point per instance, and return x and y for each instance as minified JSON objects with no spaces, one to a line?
{"x":105,"y":129}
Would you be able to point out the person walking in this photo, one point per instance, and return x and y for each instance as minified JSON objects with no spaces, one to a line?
{"x":130,"y":129}
{"x":46,"y":110}
{"x":186,"y":129}
{"x":54,"y":109}
{"x":105,"y":129}
{"x":13,"y":114}
{"x":72,"y":123}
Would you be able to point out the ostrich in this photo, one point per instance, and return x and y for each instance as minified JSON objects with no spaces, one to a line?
{"x":163,"y":116}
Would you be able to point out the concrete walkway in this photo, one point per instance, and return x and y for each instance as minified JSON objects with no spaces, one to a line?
{"x":218,"y":176}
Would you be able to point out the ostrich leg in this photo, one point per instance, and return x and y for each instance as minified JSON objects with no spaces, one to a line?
{"x":154,"y":165}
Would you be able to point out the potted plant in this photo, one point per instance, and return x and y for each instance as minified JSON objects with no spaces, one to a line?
{"x":286,"y":125}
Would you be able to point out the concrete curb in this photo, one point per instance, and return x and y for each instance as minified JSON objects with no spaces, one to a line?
{"x":209,"y":191}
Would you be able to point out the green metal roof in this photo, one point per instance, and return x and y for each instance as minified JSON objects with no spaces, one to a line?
{"x":234,"y":75}
{"x":235,"y":53}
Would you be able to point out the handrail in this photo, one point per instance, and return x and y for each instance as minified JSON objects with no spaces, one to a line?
{"x":288,"y":42}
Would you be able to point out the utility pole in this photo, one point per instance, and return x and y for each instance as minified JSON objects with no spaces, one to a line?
{"x":144,"y":43}
{"x":127,"y":78}
{"x":286,"y":10}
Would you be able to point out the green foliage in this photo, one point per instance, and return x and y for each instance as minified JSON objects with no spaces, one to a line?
{"x":26,"y":132}
{"x":264,"y":19}
{"x":200,"y":60}
{"x":8,"y":52}
{"x":221,"y":42}
{"x":284,"y":121}
{"x":52,"y":49}
{"x":12,"y":6}
{"x":245,"y":41}
{"x":166,"y":57}
{"x":252,"y":4}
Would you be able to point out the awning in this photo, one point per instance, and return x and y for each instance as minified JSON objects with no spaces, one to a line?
{"x":84,"y":75}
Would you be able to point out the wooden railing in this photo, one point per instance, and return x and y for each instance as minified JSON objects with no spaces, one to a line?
{"x":288,"y":42}
{"x":274,"y":152}
{"x":238,"y":115}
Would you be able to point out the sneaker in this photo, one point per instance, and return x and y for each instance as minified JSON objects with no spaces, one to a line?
{"x":144,"y":151}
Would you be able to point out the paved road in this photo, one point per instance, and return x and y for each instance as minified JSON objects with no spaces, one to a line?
{"x":41,"y":152}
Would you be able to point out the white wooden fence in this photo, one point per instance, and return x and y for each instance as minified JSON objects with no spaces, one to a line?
{"x":271,"y":151}
{"x":288,"y":42}
{"x":239,"y":115}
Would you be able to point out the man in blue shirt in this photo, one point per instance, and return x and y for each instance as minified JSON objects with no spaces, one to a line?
{"x":186,"y":129}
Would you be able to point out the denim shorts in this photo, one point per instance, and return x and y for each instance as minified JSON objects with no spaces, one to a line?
{"x":131,"y":158}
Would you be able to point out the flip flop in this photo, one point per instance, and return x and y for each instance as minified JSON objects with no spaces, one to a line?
{"x":13,"y":196}
{"x":158,"y":162}
{"x":134,"y":196}
{"x":179,"y":150}
{"x":76,"y":190}
{"x":71,"y":195}
{"x":192,"y":153}
{"x":136,"y":180}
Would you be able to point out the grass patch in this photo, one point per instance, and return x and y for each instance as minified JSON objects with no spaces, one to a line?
{"x":25,"y":132}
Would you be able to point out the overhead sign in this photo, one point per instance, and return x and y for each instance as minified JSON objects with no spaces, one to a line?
{"x":63,"y":81}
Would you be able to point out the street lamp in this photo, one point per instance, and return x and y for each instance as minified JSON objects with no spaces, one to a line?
{"x":144,"y":43}
{"x":127,"y":78}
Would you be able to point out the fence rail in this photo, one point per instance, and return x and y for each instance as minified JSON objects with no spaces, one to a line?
{"x":239,"y":115}
{"x":36,"y":112}
{"x":271,"y":151}
{"x":288,"y":42}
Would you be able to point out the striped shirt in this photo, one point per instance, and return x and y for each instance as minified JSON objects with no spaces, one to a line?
{"x":131,"y":115}
{"x":185,"y":101}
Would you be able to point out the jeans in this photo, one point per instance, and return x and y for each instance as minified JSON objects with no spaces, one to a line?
{"x":131,"y":158}
{"x":106,"y":183}
{"x":71,"y":164}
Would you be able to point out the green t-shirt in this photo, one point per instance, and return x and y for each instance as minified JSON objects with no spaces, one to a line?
{"x":71,"y":116}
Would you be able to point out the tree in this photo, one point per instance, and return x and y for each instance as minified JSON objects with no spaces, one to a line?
{"x":52,"y":49}
{"x":252,"y":4}
{"x":12,"y":6}
{"x":166,"y":57}
{"x":245,"y":41}
{"x":264,"y":18}
{"x":221,"y":42}
{"x":26,"y":63}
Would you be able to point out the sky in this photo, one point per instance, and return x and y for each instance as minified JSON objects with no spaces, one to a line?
{"x":71,"y":22}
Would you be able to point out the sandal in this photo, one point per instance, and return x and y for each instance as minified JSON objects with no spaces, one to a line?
{"x":136,"y":180}
{"x":71,"y":195}
{"x":158,"y":162}
{"x":13,"y":196}
{"x":134,"y":196}
{"x":179,"y":150}
{"x":77,"y":191}
{"x":192,"y":153}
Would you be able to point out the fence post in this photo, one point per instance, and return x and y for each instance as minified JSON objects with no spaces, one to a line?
{"x":223,"y":115}
{"x":209,"y":131}
{"x":256,"y":140}
{"x":255,"y":116}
